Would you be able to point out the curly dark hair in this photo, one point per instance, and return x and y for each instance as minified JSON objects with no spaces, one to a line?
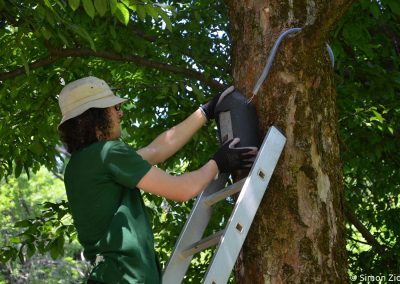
{"x":80,"y":131}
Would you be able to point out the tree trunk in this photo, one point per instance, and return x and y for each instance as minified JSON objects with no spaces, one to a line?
{"x":298,"y":233}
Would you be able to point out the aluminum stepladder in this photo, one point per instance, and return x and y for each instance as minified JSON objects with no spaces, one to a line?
{"x":229,"y":241}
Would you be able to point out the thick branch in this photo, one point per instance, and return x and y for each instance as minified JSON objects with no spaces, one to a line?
{"x":333,"y":11}
{"x":363,"y":230}
{"x":327,"y":14}
{"x":57,"y":54}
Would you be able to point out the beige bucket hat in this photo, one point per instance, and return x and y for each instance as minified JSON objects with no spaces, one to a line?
{"x":85,"y":93}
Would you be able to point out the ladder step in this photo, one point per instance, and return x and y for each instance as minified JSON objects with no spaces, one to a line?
{"x":203,"y":244}
{"x":224,"y":193}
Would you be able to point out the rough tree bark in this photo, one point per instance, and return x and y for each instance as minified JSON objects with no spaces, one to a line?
{"x":298,"y":232}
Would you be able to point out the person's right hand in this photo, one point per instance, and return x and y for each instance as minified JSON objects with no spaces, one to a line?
{"x":230,"y":158}
{"x":209,"y":107}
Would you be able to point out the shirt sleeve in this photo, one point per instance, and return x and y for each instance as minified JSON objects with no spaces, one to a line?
{"x":125,"y":165}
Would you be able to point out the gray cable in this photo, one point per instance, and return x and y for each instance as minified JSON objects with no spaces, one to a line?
{"x":271,"y":58}
{"x":272,"y":55}
{"x":331,"y":55}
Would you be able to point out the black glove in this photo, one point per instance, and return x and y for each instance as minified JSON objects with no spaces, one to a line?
{"x":209,"y":107}
{"x":229,"y":158}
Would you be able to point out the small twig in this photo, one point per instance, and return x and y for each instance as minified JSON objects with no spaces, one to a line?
{"x":358,"y":241}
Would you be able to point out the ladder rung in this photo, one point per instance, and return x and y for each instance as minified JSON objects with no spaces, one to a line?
{"x":203,"y":244}
{"x":224,"y":193}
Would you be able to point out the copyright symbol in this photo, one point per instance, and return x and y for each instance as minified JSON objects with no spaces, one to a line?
{"x":353,"y":277}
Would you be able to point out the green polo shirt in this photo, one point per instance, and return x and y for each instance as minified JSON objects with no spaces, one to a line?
{"x":109,"y":214}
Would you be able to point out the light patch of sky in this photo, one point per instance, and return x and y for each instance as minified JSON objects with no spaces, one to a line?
{"x":136,"y":123}
{"x":379,"y":3}
{"x":161,"y":112}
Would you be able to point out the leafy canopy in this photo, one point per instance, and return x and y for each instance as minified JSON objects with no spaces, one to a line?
{"x":167,"y":59}
{"x":368,"y":84}
{"x":164,"y":68}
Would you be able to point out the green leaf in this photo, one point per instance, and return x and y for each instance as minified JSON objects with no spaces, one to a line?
{"x":375,"y":10}
{"x":29,"y":237}
{"x":170,"y":8}
{"x":394,"y":6}
{"x":113,"y":6}
{"x":197,"y":16}
{"x":199,"y":94}
{"x":130,"y":4}
{"x":60,"y":4}
{"x":7,"y":253}
{"x":18,"y":169}
{"x":46,"y":33}
{"x":31,"y":249}
{"x":74,"y":4}
{"x":2,"y":5}
{"x":117,"y":46}
{"x":63,"y":38}
{"x":21,"y":255}
{"x":89,"y":8}
{"x":174,"y":89}
{"x":48,"y":4}
{"x":122,"y":13}
{"x":48,"y":204}
{"x":61,"y":214}
{"x":23,"y":224}
{"x":50,"y":19}
{"x":112,"y":31}
{"x":54,"y":250}
{"x":153,"y":12}
{"x":26,"y":168}
{"x":26,"y":64}
{"x":56,"y":247}
{"x":15,"y":239}
{"x":141,"y":11}
{"x":101,"y":7}
{"x":36,"y":147}
{"x":83,"y":33}
{"x":377,"y":117}
{"x":166,"y":19}
{"x":60,"y":244}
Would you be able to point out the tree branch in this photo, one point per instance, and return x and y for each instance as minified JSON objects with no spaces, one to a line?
{"x":19,"y":71}
{"x":357,"y":241}
{"x":56,"y":54}
{"x":57,"y":175}
{"x":363,"y":230}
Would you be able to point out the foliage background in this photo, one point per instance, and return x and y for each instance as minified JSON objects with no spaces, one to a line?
{"x":167,"y":59}
{"x":368,"y":85}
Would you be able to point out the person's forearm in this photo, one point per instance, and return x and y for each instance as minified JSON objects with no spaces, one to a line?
{"x":178,"y":188}
{"x":195,"y":182}
{"x":170,"y":141}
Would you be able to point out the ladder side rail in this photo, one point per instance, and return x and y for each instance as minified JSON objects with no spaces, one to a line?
{"x":245,"y":209}
{"x":192,"y":231}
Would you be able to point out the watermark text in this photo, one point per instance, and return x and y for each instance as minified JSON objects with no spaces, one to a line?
{"x":376,"y":278}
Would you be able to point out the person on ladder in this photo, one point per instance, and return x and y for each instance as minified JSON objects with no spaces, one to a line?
{"x":104,"y":175}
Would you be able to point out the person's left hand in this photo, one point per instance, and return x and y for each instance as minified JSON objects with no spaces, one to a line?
{"x":229,"y":157}
{"x":209,"y":107}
